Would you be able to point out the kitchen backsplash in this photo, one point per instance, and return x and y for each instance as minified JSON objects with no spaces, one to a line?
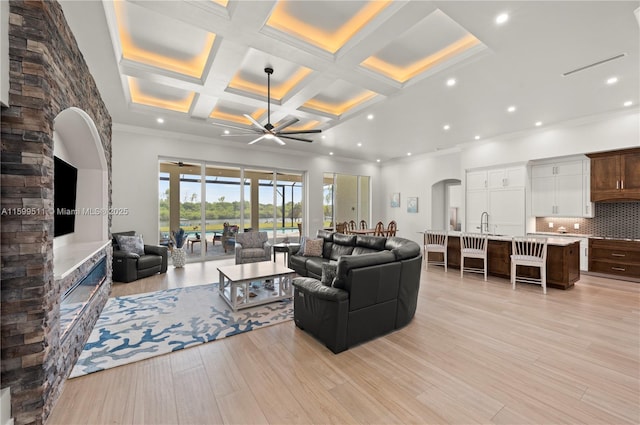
{"x":612,"y":219}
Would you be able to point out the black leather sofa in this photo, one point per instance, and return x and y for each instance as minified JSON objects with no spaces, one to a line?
{"x":375,"y":290}
{"x":128,"y":267}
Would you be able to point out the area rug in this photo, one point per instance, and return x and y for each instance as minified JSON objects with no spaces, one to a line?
{"x":137,"y":327}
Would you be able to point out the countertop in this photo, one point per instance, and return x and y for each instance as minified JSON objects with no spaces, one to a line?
{"x":558,"y":241}
{"x":562,"y":235}
{"x":615,"y":238}
{"x":582,"y":235}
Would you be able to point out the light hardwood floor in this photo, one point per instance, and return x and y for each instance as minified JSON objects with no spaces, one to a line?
{"x":476,"y":352}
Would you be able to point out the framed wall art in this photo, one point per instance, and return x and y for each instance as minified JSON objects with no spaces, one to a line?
{"x":412,"y":205}
{"x":395,"y":200}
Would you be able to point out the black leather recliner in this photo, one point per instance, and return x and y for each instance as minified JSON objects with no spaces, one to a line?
{"x":373,"y":293}
{"x":128,"y":267}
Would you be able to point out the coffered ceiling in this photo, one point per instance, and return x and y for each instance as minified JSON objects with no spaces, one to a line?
{"x":371,"y":74}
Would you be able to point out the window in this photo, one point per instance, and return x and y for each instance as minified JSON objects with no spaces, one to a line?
{"x":201,"y":197}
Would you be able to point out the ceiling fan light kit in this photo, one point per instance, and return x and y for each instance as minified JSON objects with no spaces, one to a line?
{"x":269,"y":131}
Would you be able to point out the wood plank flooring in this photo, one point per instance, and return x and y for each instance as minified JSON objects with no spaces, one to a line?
{"x":476,"y":352}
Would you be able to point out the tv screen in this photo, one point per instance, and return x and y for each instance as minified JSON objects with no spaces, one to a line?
{"x":65,"y":178}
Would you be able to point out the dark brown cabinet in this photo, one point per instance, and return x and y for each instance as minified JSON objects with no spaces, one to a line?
{"x":615,"y":176}
{"x":615,"y":257}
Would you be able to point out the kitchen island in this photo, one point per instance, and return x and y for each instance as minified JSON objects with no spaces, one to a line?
{"x":563,"y":259}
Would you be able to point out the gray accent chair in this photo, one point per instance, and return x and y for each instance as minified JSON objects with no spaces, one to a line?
{"x":252,"y":247}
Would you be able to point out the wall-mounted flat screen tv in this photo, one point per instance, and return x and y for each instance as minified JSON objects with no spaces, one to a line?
{"x":65,"y":181}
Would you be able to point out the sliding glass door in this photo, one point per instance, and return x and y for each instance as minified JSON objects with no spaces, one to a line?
{"x":211,"y":202}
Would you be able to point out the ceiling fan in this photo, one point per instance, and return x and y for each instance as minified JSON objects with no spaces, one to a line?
{"x":269,"y":131}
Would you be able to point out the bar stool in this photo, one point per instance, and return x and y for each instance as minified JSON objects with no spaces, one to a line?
{"x":473,"y":245}
{"x":529,"y":251}
{"x":435,"y":241}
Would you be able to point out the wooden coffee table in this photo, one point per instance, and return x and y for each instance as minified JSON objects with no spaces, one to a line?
{"x":238,"y":282}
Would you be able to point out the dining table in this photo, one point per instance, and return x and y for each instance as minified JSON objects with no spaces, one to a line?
{"x":363,"y":232}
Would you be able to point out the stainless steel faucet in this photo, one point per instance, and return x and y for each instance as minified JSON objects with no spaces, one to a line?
{"x":484,"y":224}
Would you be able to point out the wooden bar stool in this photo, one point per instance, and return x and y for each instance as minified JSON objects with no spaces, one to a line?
{"x":473,"y":245}
{"x":435,"y":241}
{"x":529,"y":251}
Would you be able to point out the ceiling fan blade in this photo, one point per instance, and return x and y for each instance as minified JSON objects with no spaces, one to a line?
{"x":278,"y":140}
{"x":286,"y":124}
{"x":300,"y":132}
{"x":256,"y":140}
{"x":296,"y":138}
{"x":254,"y":122}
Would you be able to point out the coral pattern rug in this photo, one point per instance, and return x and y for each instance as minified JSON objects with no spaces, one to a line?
{"x":137,"y":327}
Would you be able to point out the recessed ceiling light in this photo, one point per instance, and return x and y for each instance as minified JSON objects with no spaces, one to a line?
{"x":502,"y":18}
{"x":359,"y":144}
{"x":330,"y":153}
{"x":408,"y":153}
{"x":538,"y":123}
{"x":628,"y":103}
{"x":451,"y":82}
{"x":160,"y":120}
{"x":612,"y":80}
{"x":226,"y":132}
{"x":446,"y":127}
{"x":511,"y":108}
{"x":477,"y":137}
{"x":370,"y":116}
{"x":378,"y":160}
{"x":323,"y":136}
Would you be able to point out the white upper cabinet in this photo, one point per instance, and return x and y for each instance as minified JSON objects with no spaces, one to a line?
{"x":507,"y":177}
{"x":477,"y":180}
{"x":558,"y":189}
{"x":500,"y":192}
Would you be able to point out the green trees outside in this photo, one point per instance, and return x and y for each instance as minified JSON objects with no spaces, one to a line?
{"x":229,"y":211}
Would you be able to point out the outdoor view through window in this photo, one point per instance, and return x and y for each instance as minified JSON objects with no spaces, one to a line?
{"x":211,"y":203}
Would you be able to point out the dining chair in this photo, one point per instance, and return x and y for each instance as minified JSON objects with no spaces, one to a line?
{"x":473,"y":245}
{"x":379,"y":230}
{"x":435,"y":241}
{"x":341,"y":227}
{"x":363,"y":225}
{"x":529,"y":251}
{"x":351,"y":226}
{"x":392,"y":228}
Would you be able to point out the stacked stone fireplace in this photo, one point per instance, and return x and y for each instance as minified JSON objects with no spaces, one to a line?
{"x":48,"y":75}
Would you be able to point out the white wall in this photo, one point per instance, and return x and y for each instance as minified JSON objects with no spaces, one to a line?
{"x":594,"y":134}
{"x":414,"y":177}
{"x":603,"y":133}
{"x":135,"y":167}
{"x":135,"y":172}
{"x":606,"y":132}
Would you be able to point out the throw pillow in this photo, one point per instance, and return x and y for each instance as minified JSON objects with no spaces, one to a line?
{"x":313,"y":247}
{"x":131,"y":244}
{"x":328,"y":273}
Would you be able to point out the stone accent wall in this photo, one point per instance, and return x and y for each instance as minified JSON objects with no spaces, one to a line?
{"x":47,"y":75}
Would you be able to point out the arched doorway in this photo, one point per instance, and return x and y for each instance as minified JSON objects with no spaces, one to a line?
{"x":446,"y":201}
